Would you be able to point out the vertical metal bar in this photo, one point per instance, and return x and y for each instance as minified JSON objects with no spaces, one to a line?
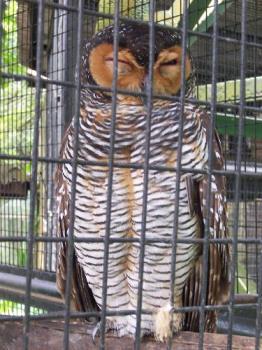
{"x":110,"y":176}
{"x":179,"y":159}
{"x":57,"y":112}
{"x":206,"y":243}
{"x":33,"y":182}
{"x":259,"y":301}
{"x":238,"y":170}
{"x":257,"y":247}
{"x":2,"y":8}
{"x":69,"y":59}
{"x":149,"y":93}
{"x":70,"y":240}
{"x":247,"y":252}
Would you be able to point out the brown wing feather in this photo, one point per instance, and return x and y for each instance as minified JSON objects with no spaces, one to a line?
{"x":82,"y":298}
{"x":218,"y":255}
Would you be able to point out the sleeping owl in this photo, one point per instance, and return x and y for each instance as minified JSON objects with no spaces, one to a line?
{"x":122,"y":209}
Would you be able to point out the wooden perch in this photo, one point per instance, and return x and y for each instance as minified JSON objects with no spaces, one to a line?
{"x":49,"y":335}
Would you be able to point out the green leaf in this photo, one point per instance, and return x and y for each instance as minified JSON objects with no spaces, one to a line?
{"x":10,"y":60}
{"x":8,"y":307}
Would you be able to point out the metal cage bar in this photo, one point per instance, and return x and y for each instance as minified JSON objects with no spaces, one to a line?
{"x":149,"y":95}
{"x":206,"y":243}
{"x":179,"y":166}
{"x":70,"y":240}
{"x":238,"y":175}
{"x":238,"y":170}
{"x":33,"y":185}
{"x":110,"y":175}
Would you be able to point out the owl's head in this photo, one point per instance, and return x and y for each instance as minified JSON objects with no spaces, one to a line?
{"x":133,"y":60}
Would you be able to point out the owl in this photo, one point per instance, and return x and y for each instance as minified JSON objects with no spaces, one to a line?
{"x":126,"y":202}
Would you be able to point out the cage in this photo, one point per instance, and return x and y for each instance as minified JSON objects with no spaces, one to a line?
{"x":41,"y":46}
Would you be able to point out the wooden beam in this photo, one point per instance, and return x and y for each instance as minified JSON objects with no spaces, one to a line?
{"x":49,"y":335}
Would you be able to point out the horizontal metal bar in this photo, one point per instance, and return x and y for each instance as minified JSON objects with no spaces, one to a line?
{"x":38,"y":286}
{"x":15,"y":278}
{"x":75,"y":314}
{"x":138,"y":166}
{"x":194,"y":101}
{"x":46,"y":297}
{"x":134,"y":240}
{"x":21,"y":271}
{"x":23,"y":77}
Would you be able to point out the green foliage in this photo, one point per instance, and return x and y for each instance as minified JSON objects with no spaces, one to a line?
{"x":9,"y":56}
{"x":17,"y":98}
{"x":241,"y":285}
{"x":22,"y":256}
{"x":14,"y":219}
{"x":17,"y":109}
{"x":16,"y":118}
{"x":8,"y":307}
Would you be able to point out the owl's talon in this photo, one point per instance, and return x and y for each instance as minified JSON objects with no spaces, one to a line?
{"x":96,"y":331}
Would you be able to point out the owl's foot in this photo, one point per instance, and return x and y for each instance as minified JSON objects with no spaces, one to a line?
{"x":163,"y":320}
{"x":97,"y":329}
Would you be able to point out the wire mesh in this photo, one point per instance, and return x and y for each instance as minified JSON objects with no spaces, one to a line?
{"x":40,"y":88}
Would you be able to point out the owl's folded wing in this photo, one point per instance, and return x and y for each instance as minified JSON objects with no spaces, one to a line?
{"x":218,"y":279}
{"x":82,"y":298}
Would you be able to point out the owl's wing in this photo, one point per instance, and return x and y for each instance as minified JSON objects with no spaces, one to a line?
{"x":81,"y":295}
{"x":218,"y":254}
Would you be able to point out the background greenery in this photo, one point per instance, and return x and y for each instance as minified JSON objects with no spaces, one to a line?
{"x":17,"y":97}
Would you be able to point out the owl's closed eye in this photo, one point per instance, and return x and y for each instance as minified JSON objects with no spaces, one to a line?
{"x":133,"y":75}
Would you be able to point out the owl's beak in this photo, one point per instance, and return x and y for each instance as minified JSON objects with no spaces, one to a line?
{"x":147,"y":84}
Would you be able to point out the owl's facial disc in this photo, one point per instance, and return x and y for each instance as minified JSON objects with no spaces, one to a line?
{"x":124,"y":67}
{"x":101,"y":62}
{"x":132,"y":76}
{"x":168,"y":71}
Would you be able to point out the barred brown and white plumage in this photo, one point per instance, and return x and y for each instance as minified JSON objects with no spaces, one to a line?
{"x":127,"y":188}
